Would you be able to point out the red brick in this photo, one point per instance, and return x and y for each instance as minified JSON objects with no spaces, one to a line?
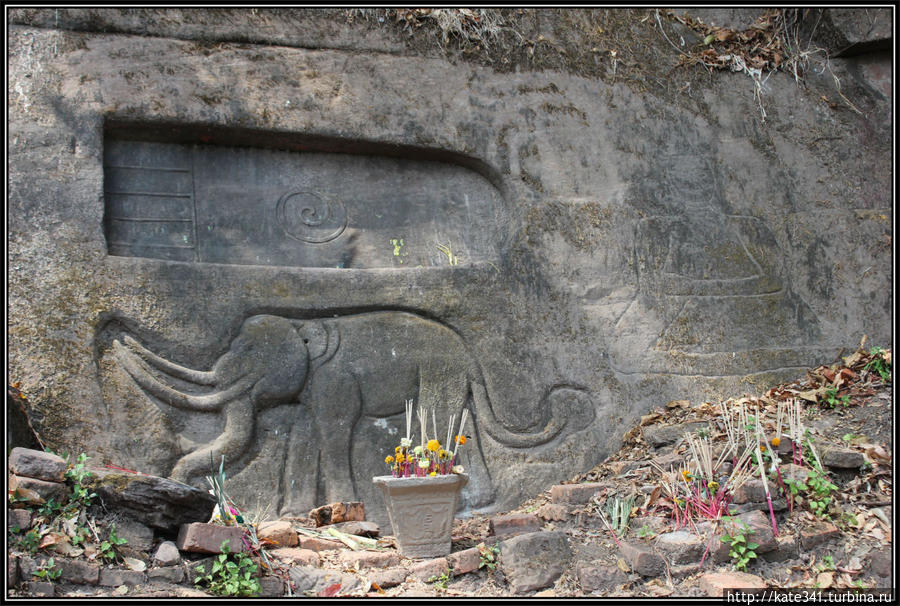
{"x":642,"y":561}
{"x":333,"y":513}
{"x":465,"y":561}
{"x":681,"y":546}
{"x":553,"y":511}
{"x":816,"y":535}
{"x":430,"y":568}
{"x":37,"y":464}
{"x":317,"y":544}
{"x":370,"y":559}
{"x":390,"y":577}
{"x":517,"y":523}
{"x":280,"y":533}
{"x":574,"y":493}
{"x":714,"y":584}
{"x":202,"y":537}
{"x":296,"y":556}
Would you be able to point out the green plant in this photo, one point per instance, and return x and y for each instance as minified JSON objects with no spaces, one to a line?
{"x":827,"y":563}
{"x":820,"y":489}
{"x":645,"y":532}
{"x":879,"y":363}
{"x":619,"y":511}
{"x":742,"y":550}
{"x":47,"y":571}
{"x":831,"y":398}
{"x":231,"y":574}
{"x":31,"y":540}
{"x":108,"y":547}
{"x":440,"y":581}
{"x":81,"y":498}
{"x":489,"y":556}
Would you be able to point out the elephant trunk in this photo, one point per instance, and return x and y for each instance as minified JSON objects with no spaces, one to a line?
{"x":564,"y":402}
{"x":234,"y":441}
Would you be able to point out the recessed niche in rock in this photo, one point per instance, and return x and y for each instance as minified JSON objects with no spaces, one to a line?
{"x":256,"y":206}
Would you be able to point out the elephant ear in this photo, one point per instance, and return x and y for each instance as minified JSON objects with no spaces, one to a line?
{"x":315,"y":335}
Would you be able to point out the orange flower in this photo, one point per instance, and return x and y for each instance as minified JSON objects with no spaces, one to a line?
{"x":776,"y":441}
{"x":460,"y":439}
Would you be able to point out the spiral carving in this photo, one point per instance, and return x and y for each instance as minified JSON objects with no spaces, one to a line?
{"x":310,"y":217}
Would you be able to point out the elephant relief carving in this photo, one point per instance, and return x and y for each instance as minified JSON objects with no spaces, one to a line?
{"x":334,"y":370}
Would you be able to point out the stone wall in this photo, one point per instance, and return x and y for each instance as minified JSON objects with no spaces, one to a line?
{"x":558,"y":233}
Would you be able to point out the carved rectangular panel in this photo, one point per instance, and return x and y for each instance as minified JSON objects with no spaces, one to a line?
{"x":255,"y":206}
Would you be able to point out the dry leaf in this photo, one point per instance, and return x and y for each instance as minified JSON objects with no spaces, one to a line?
{"x":824,"y":580}
{"x":51,"y":538}
{"x":679,"y":404}
{"x":623,"y":565}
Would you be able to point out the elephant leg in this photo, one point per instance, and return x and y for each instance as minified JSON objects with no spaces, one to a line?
{"x":336,"y":404}
{"x":448,"y":393}
{"x":232,"y":443}
{"x":301,"y":467}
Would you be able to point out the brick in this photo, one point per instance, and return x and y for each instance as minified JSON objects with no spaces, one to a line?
{"x":12,"y":571}
{"x":41,"y":589}
{"x":714,"y":584}
{"x":333,"y":513}
{"x":356,"y":527}
{"x":279,"y":533}
{"x":170,"y":574}
{"x":752,"y":491}
{"x":317,"y":544}
{"x":787,"y":548}
{"x":389,"y":577}
{"x":534,"y":561}
{"x":517,"y":523}
{"x":47,"y":490}
{"x":114,"y":577}
{"x":642,"y":561}
{"x":296,"y":556}
{"x":369,"y":559}
{"x":468,"y":560}
{"x":599,"y":577}
{"x":555,"y":512}
{"x":681,"y":547}
{"x":202,"y":537}
{"x":816,"y":535}
{"x":37,"y":464}
{"x":843,"y":458}
{"x":19,"y":518}
{"x":271,"y":587}
{"x":575,"y":493}
{"x":430,"y":568}
{"x":77,"y":571}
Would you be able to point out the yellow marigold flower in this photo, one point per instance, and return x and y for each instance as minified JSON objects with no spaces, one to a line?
{"x":398,"y":449}
{"x":762,"y":448}
{"x":685,"y":474}
{"x":460,"y":439}
{"x":433,"y":473}
{"x":776,"y":441}
{"x":433,"y":445}
{"x":400,"y":458}
{"x":713,"y":486}
{"x":389,"y":459}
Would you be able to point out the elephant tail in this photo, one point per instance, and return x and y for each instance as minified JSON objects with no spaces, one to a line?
{"x":560,"y":399}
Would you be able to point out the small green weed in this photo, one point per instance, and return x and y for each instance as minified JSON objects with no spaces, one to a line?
{"x":827,"y":564}
{"x":30,"y":541}
{"x":441,"y":581}
{"x":879,"y":364}
{"x":108,"y":547}
{"x":831,"y":398}
{"x":820,"y":489}
{"x":742,"y":550}
{"x":47,"y":571}
{"x":489,"y":556}
{"x":231,"y":574}
{"x":645,"y":532}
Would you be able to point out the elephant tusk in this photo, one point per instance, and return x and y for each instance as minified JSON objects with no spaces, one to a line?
{"x":198,"y":377}
{"x":138,"y":370}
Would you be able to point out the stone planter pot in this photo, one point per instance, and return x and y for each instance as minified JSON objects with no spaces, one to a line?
{"x":421,"y":511}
